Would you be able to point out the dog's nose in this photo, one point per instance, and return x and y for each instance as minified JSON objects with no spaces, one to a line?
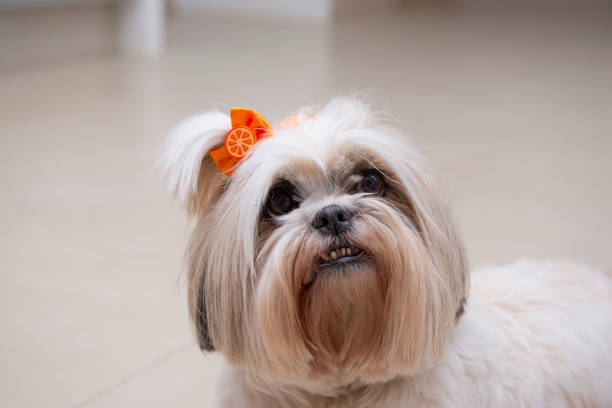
{"x":332,"y":219}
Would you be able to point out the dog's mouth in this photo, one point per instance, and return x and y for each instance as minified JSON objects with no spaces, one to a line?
{"x":341,"y":255}
{"x":338,"y":259}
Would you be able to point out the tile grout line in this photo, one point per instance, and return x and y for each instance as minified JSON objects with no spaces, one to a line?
{"x":177,"y":350}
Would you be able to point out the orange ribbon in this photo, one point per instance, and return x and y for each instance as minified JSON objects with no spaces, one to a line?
{"x":248,"y":128}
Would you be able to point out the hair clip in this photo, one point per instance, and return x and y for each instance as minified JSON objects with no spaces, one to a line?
{"x":248,"y":128}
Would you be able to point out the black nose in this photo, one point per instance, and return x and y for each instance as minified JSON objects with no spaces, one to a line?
{"x":332,"y":219}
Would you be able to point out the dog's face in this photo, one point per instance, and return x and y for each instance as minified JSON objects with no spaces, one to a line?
{"x":328,"y":257}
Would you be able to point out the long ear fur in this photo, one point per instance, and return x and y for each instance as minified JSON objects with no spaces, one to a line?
{"x":190,"y":172}
{"x":194,"y":179}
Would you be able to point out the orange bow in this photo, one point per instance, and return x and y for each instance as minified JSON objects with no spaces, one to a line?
{"x":248,"y":128}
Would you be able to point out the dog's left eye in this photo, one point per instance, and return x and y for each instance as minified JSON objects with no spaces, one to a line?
{"x":282,"y":200}
{"x":372,"y":182}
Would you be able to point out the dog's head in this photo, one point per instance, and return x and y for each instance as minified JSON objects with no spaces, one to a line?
{"x":330,"y":254}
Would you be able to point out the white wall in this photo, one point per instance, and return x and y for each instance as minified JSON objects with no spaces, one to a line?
{"x":47,"y":3}
{"x":315,"y":10}
{"x":36,"y":35}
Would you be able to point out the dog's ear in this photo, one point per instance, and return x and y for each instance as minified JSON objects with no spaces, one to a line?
{"x":193,"y":177}
{"x":190,"y":172}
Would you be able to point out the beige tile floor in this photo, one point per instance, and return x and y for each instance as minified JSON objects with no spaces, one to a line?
{"x":515,"y":109}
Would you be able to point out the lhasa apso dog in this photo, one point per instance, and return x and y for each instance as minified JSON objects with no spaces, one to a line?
{"x":326,"y":267}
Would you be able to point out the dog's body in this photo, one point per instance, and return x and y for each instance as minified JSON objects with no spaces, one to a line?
{"x":527,"y":339}
{"x":328,"y":271}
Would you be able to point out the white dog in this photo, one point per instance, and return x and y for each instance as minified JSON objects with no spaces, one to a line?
{"x":326,"y":266}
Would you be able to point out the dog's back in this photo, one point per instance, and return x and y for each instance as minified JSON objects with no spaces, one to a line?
{"x":536,"y":334}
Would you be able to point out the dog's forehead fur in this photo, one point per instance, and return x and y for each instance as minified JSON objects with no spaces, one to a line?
{"x":318,"y":159}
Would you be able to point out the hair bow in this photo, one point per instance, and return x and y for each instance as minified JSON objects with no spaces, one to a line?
{"x":248,"y":128}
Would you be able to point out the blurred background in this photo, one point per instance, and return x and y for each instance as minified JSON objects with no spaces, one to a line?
{"x":512,"y":101}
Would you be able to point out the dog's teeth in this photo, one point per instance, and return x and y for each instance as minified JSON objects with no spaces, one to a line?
{"x":340,"y":252}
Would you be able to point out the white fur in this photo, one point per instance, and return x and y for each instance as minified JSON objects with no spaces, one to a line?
{"x":186,"y":147}
{"x":534,"y":333}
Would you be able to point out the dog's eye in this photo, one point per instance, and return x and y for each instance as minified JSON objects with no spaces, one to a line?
{"x":372,"y":182}
{"x":282,"y":200}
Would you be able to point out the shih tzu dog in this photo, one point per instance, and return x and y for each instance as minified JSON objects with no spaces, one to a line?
{"x":326,"y":267}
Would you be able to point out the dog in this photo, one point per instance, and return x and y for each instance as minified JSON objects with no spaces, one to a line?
{"x":326,"y":266}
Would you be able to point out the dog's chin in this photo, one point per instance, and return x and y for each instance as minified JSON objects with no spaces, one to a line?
{"x":342,"y":307}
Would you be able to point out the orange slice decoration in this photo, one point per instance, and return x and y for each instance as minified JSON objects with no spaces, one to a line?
{"x":248,"y":127}
{"x":239,"y":141}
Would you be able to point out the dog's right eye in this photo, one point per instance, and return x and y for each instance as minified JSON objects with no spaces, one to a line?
{"x":282,"y":200}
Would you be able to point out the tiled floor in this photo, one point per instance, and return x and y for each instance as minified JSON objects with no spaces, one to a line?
{"x":516,"y":111}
